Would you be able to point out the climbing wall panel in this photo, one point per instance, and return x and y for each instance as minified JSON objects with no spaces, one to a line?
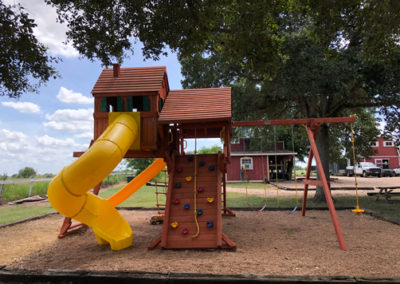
{"x":181,"y":230}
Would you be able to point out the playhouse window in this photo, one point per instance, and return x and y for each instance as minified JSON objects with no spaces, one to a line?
{"x":112,"y":104}
{"x":247,"y":163}
{"x":375,"y":144}
{"x":138,"y":103}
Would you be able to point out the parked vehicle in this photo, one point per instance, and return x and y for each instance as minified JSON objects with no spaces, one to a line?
{"x":364,"y":169}
{"x":397,"y":171}
{"x":387,"y":173}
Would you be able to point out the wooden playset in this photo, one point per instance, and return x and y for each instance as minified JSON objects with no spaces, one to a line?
{"x":136,"y":115}
{"x":165,"y":118}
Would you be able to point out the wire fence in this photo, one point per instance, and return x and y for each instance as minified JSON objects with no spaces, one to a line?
{"x":14,"y":189}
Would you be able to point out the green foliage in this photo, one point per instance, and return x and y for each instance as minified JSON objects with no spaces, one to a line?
{"x":138,"y":164}
{"x":22,"y":58}
{"x":26,"y":172}
{"x":21,"y":190}
{"x":365,"y":133}
{"x":211,"y":150}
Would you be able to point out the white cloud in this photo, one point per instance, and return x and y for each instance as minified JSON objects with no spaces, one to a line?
{"x":84,"y":135}
{"x":43,"y":153}
{"x":25,"y":107}
{"x":48,"y":141}
{"x":68,"y":96}
{"x":71,"y":120}
{"x":48,"y":31}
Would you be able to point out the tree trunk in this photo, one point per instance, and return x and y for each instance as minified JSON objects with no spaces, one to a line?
{"x":323,"y":149}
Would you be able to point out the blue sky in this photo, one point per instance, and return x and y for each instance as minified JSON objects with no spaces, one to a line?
{"x":42,"y":130}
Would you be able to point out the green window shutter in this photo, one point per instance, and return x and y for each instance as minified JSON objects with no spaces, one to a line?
{"x":160,"y":104}
{"x":146,"y":103}
{"x":120,"y":104}
{"x":103,"y":105}
{"x":129,"y":103}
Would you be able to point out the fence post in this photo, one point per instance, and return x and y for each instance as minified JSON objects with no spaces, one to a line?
{"x":1,"y":192}
{"x":30,"y":189}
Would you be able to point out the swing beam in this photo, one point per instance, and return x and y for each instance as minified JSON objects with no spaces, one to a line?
{"x":311,"y":125}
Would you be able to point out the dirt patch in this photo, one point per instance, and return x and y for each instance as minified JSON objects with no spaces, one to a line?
{"x":337,"y":185}
{"x":269,"y":243}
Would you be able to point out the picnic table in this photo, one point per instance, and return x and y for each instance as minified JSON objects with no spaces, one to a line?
{"x":386,"y":192}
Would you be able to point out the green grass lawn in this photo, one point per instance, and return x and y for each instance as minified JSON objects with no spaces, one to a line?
{"x":20,"y":190}
{"x":146,"y":197}
{"x":20,"y":212}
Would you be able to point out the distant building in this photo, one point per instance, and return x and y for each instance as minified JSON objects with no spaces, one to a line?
{"x":386,"y":154}
{"x":245,"y":161}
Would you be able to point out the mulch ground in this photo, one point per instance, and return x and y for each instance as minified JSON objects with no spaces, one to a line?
{"x":269,"y":243}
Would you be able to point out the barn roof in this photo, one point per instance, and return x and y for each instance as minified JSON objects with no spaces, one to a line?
{"x":197,"y":105}
{"x":143,"y":79}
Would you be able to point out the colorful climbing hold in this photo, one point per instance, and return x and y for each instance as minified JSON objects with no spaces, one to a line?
{"x":202,"y":163}
{"x":179,"y":170}
{"x":186,"y":206}
{"x":190,"y":158}
{"x":200,"y":189}
{"x":178,"y":185}
{"x":185,"y":231}
{"x":211,"y":168}
{"x":189,"y":178}
{"x":174,"y":225}
{"x":199,"y":212}
{"x":210,"y":199}
{"x":177,"y":201}
{"x":210,"y":224}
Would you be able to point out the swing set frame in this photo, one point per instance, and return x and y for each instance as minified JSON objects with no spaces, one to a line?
{"x":311,"y":125}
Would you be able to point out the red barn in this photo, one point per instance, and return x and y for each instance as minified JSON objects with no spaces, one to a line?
{"x":386,"y":154}
{"x":245,"y":161}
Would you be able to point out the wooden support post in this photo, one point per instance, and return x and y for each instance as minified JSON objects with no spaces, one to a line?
{"x":308,"y":173}
{"x":329,"y":201}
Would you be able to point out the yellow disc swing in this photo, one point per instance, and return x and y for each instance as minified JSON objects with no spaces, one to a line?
{"x":358,"y":211}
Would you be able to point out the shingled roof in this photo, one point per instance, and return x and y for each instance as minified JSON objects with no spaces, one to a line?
{"x":197,"y":105}
{"x":143,"y":79}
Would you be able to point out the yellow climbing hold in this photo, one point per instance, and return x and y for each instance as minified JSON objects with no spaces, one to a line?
{"x":210,"y":199}
{"x":189,"y":178}
{"x":174,"y":225}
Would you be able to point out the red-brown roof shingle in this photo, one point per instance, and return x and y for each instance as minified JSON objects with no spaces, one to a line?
{"x":143,"y":79}
{"x":197,"y":105}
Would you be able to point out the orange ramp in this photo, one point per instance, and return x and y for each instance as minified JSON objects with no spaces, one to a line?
{"x":134,"y":185}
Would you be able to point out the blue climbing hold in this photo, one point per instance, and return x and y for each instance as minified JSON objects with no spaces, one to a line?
{"x":186,"y":206}
{"x":210,"y":224}
{"x":211,"y":168}
{"x":190,"y":158}
{"x":178,"y":185}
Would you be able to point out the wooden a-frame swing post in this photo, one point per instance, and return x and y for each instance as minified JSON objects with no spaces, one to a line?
{"x":312,"y":125}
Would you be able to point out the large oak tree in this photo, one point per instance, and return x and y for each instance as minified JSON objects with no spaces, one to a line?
{"x":315,"y":58}
{"x":24,"y":62}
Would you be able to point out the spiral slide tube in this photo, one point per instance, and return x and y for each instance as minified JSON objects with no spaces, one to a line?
{"x":68,"y":191}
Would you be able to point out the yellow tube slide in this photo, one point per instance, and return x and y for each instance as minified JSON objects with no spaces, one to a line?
{"x":68,"y":191}
{"x":139,"y":181}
